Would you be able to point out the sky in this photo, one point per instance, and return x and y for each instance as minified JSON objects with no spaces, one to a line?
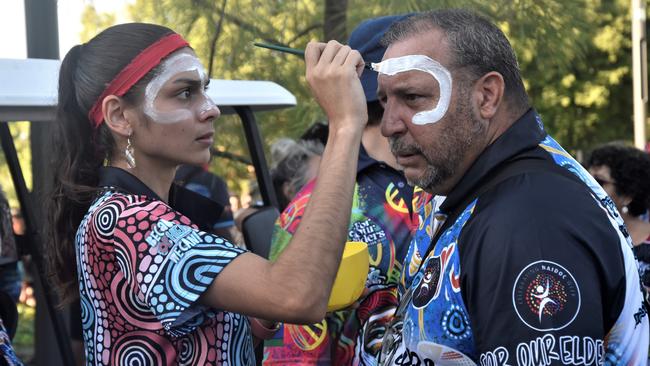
{"x":12,"y":22}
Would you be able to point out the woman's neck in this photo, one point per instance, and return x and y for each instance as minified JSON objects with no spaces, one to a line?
{"x":158,"y":178}
{"x":639,"y":230}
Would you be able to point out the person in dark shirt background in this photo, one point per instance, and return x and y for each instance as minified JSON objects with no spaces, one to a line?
{"x":207,"y":184}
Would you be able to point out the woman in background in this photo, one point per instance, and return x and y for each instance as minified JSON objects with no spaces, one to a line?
{"x":624,"y":173}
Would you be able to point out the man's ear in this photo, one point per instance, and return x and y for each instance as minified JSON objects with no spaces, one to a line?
{"x":115,"y":117}
{"x":489,"y":89}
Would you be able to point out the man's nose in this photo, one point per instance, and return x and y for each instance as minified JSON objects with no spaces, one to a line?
{"x":392,"y":122}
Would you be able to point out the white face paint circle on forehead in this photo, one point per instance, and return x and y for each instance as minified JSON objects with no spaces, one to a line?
{"x":181,"y":62}
{"x":426,"y":64}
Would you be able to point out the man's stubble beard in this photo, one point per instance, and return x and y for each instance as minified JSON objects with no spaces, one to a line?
{"x":460,"y":131}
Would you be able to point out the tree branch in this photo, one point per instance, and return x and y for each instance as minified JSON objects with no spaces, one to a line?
{"x":305,"y":32}
{"x":251,"y":28}
{"x":215,"y":37}
{"x":192,"y":23}
{"x":335,"y":19}
{"x":230,"y":156}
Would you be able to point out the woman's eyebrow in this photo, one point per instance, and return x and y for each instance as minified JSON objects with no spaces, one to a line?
{"x":190,"y":81}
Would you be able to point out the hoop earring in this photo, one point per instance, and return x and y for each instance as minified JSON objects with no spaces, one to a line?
{"x":129,"y":153}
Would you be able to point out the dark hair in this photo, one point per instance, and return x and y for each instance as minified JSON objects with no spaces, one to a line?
{"x":317,"y":132}
{"x":7,"y":240}
{"x":630,"y":169}
{"x":475,"y":42}
{"x":375,"y":113}
{"x":80,"y":149}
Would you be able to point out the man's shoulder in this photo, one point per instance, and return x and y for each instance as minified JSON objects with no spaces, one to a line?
{"x":542,"y":209}
{"x":532,"y":194}
{"x":379,"y":169}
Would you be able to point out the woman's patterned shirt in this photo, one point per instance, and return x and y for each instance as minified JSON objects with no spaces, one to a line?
{"x":142,"y":266}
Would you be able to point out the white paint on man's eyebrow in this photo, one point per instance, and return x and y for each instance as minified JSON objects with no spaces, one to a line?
{"x":393,"y":66}
{"x":182,"y":62}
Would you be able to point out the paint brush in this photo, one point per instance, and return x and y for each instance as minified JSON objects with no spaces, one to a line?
{"x":293,"y":51}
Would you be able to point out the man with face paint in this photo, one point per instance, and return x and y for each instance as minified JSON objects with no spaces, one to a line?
{"x":527,"y":262}
{"x":381,"y":217}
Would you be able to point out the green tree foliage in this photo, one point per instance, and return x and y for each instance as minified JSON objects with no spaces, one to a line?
{"x":94,"y":22}
{"x":20,"y":133}
{"x":581,"y":83}
{"x":574,"y":56}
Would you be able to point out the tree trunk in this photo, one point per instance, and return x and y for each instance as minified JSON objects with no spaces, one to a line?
{"x":335,"y":20}
{"x":215,"y":37}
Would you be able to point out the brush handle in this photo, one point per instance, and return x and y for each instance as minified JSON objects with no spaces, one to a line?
{"x":293,"y":51}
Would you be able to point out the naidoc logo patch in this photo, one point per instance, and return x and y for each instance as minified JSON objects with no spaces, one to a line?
{"x":546,"y":296}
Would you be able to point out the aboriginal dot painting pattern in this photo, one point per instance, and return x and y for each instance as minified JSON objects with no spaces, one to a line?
{"x":142,"y":266}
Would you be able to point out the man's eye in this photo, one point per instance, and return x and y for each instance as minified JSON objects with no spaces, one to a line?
{"x":412,"y":97}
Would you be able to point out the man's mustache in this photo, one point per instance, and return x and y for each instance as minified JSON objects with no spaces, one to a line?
{"x":400,"y":147}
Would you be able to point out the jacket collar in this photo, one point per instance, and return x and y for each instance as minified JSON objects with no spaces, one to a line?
{"x":200,"y":210}
{"x":365,"y":160}
{"x":525,"y":134}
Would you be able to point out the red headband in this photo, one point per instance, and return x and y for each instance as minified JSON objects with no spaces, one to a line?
{"x":138,"y":67}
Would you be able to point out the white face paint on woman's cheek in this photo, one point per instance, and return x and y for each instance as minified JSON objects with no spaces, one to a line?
{"x":423,"y":63}
{"x":174,"y":65}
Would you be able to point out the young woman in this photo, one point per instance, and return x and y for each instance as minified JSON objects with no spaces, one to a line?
{"x":154,"y":288}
